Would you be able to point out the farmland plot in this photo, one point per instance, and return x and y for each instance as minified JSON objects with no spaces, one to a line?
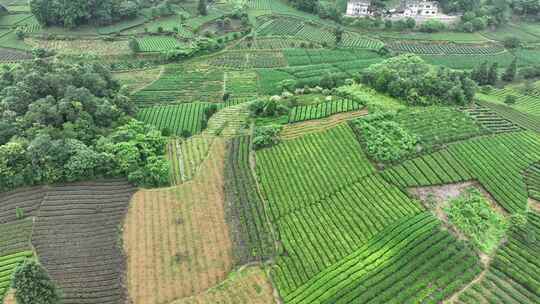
{"x":250,"y":285}
{"x":15,"y":247}
{"x":514,"y":273}
{"x":137,"y":80}
{"x":526,"y":102}
{"x":250,"y":231}
{"x":80,"y":46}
{"x":158,"y":43}
{"x":272,"y":43}
{"x":497,"y":162}
{"x":411,"y":261}
{"x":470,"y":61}
{"x":177,"y":119}
{"x":523,"y":120}
{"x":490,"y":119}
{"x":176,"y":239}
{"x":180,"y":84}
{"x":230,"y":121}
{"x":321,"y":234}
{"x":292,"y":131}
{"x":8,"y":264}
{"x":249,"y":59}
{"x":299,"y":172}
{"x":27,"y":200}
{"x":323,"y":110}
{"x":10,"y":55}
{"x":532,"y":179}
{"x":444,"y":49}
{"x":186,"y":156}
{"x":76,"y":239}
{"x":241,"y":84}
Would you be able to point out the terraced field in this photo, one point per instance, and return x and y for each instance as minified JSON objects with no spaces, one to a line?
{"x":323,"y":110}
{"x":177,"y":119}
{"x":443,"y":49}
{"x":179,"y":84}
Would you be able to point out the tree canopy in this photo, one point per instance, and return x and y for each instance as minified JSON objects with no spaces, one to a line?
{"x":411,"y":79}
{"x":33,"y":285}
{"x":75,"y":12}
{"x":58,"y":124}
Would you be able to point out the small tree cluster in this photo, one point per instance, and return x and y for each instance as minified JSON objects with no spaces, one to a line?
{"x":33,"y":285}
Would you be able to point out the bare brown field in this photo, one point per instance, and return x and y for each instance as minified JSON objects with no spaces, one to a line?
{"x":250,"y":285}
{"x":293,"y":131}
{"x":176,"y":239}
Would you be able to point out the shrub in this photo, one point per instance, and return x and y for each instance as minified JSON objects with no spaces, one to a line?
{"x":472,"y":214}
{"x":510,"y":99}
{"x":266,"y":136}
{"x":385,"y":140}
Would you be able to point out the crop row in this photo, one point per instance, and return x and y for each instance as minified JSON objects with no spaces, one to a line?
{"x":526,"y":102}
{"x":9,"y":55}
{"x":186,"y":157}
{"x":260,"y":4}
{"x":241,"y":84}
{"x":443,"y":49}
{"x":76,"y":239}
{"x":292,"y":175}
{"x":322,"y":110}
{"x":179,"y":119}
{"x":411,"y":261}
{"x":252,"y":232}
{"x":518,"y":118}
{"x":438,"y":125}
{"x":298,"y":28}
{"x":438,"y":168}
{"x":15,"y":236}
{"x":490,"y":120}
{"x":532,"y":179}
{"x":27,"y":200}
{"x":296,"y":57}
{"x":514,"y":274}
{"x":319,"y":235}
{"x":8,"y":263}
{"x":178,"y":84}
{"x":497,"y":162}
{"x":246,"y":60}
{"x":157,"y":43}
{"x":271,"y":43}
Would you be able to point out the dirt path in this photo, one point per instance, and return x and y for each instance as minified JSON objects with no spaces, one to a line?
{"x":296,"y":130}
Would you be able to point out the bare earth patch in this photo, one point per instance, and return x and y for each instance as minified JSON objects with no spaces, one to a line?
{"x":534,"y":204}
{"x":10,"y":297}
{"x":176,"y":239}
{"x":441,"y":197}
{"x":292,"y":131}
{"x":138,"y":79}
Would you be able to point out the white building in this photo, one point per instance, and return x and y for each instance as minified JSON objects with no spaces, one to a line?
{"x":358,"y":8}
{"x":418,"y":8}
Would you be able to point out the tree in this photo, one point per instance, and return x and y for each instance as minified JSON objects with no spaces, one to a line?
{"x":339,"y":34}
{"x":510,"y":99}
{"x":493,"y":74}
{"x":134,"y":45}
{"x":76,"y":12}
{"x":33,"y":285}
{"x":512,"y":42}
{"x":511,"y":71}
{"x":480,"y":73}
{"x":410,"y":78}
{"x":203,"y":10}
